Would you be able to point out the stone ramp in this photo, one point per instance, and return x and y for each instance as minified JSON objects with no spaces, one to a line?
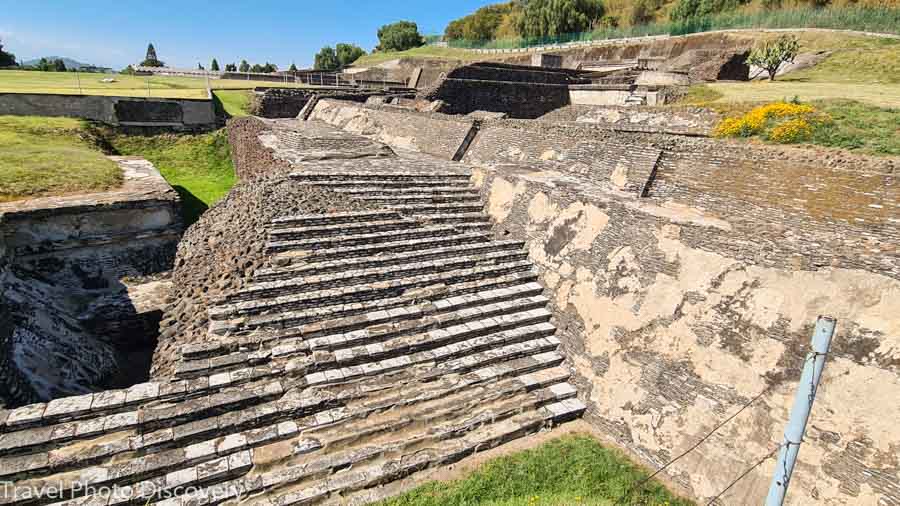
{"x":375,"y":344}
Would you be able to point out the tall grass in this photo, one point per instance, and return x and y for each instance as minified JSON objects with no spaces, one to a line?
{"x":866,"y":19}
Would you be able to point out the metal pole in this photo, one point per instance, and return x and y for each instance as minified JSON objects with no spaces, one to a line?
{"x":78,"y":79}
{"x":148,"y":86}
{"x":806,"y":394}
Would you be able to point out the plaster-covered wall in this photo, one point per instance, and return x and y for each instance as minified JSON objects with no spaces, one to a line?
{"x":676,"y":311}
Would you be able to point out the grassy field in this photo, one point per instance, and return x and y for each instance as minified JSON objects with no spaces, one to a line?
{"x":235,"y":102}
{"x":49,"y":156}
{"x":571,"y":470}
{"x":21,"y":81}
{"x":445,"y":53}
{"x":198,"y":166}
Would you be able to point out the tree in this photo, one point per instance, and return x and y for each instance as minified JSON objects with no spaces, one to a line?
{"x":545,"y":18}
{"x":348,"y":53}
{"x":293,"y":67}
{"x":686,"y":10}
{"x":269,"y":68}
{"x":129,"y":70}
{"x":150,"y":60}
{"x":326,"y":59}
{"x":245,"y":67}
{"x":256,"y":68}
{"x":6,"y":59}
{"x":200,"y":67}
{"x":485,"y":23}
{"x":771,"y":54}
{"x":214,"y":66}
{"x":59,"y":65}
{"x":399,"y":36}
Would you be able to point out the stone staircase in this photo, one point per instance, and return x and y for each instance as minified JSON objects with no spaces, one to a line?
{"x":376,"y":344}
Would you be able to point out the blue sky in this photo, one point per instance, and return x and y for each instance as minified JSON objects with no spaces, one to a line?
{"x":116,"y":33}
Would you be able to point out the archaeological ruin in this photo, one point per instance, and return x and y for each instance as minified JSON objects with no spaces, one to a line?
{"x":406,"y":278}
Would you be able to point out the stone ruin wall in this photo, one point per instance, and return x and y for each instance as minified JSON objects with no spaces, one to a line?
{"x":71,"y":321}
{"x":678,"y":307}
{"x":435,"y":134}
{"x":517,"y":91}
{"x":288,"y":102}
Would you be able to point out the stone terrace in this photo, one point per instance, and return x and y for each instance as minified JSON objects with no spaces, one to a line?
{"x":374,"y":344}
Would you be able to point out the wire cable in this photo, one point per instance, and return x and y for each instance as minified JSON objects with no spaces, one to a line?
{"x":743,"y":475}
{"x":638,"y":485}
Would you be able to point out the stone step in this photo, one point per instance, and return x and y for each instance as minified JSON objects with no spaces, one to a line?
{"x":363,"y":227}
{"x":454,"y":218}
{"x":370,"y":250}
{"x":393,"y":184}
{"x":419,"y":198}
{"x":361,"y":469}
{"x":462,"y":355}
{"x":358,"y":239}
{"x":261,"y":289}
{"x":365,"y":189}
{"x":432,"y":402}
{"x":354,"y":294}
{"x":515,"y":249}
{"x":311,"y":459}
{"x":377,"y":176}
{"x":417,"y":209}
{"x":312,"y":220}
{"x":420,"y":304}
{"x":465,"y":337}
{"x":393,"y":323}
{"x":309,"y":321}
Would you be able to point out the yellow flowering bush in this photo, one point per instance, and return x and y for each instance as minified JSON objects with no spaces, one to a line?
{"x":779,"y":122}
{"x":792,"y":130}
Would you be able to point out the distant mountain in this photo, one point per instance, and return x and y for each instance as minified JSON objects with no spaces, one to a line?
{"x":70,"y":63}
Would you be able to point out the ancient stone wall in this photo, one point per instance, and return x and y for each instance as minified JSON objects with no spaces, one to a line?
{"x":132,"y":112}
{"x":251,"y":159}
{"x":66,"y":259}
{"x":435,"y":134}
{"x":687,"y":274}
{"x":288,"y":102}
{"x":520,"y":92}
{"x":680,"y":307}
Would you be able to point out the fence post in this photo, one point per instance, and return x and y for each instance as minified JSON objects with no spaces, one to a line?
{"x":803,"y":401}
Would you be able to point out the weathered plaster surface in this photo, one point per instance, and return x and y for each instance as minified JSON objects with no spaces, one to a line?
{"x":670,"y":337}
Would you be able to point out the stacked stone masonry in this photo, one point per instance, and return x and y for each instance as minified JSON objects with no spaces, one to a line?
{"x":685,"y":275}
{"x":373,"y":345}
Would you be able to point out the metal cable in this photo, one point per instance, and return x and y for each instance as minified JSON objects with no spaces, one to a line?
{"x":743,"y":475}
{"x":636,"y":487}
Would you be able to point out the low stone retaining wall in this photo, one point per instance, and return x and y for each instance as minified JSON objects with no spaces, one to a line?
{"x":66,"y":258}
{"x":132,"y":112}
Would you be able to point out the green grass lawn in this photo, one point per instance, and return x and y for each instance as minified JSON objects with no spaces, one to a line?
{"x":21,"y":81}
{"x":571,"y":470}
{"x":49,"y":156}
{"x":235,"y":102}
{"x":198,"y":166}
